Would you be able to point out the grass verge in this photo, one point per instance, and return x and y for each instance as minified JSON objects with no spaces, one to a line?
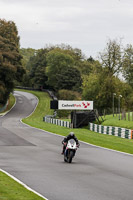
{"x":109,"y":120}
{"x":10,"y":104}
{"x":11,"y":190}
{"x":83,"y":134}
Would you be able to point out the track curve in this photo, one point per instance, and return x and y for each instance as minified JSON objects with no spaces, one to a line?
{"x":33,"y":156}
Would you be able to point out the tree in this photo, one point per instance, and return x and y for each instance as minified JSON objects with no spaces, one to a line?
{"x":128,"y":64}
{"x":111,"y":57}
{"x":68,"y":95}
{"x":10,"y":58}
{"x":90,"y":65}
{"x":27,"y":54}
{"x":91,"y":88}
{"x":100,"y":87}
{"x":69,"y":79}
{"x":56,"y":58}
{"x":57,"y":62}
{"x":38,"y":64}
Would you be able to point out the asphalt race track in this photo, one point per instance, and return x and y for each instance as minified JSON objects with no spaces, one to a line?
{"x":34,"y":157}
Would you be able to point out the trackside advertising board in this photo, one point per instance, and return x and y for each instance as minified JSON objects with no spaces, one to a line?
{"x":75,"y":105}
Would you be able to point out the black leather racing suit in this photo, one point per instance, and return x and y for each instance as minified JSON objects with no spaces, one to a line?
{"x":65,"y":141}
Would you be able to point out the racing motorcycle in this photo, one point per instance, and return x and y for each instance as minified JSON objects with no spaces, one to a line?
{"x":70,"y":150}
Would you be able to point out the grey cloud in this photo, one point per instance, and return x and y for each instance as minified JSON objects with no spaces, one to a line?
{"x":84,"y":24}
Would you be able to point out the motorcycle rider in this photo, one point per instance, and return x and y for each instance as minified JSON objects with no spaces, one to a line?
{"x":65,"y":141}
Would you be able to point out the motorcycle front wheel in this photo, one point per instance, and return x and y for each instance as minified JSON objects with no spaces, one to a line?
{"x":65,"y":159}
{"x":70,"y":156}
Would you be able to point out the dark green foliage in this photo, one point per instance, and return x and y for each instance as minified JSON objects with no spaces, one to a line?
{"x":37,"y":64}
{"x":10,"y":59}
{"x":61,"y":71}
{"x":63,"y":68}
{"x":57,"y":62}
{"x":69,"y":79}
{"x":103,"y":81}
{"x":128,"y":64}
{"x":47,"y":64}
{"x":68,"y":95}
{"x":27,"y":54}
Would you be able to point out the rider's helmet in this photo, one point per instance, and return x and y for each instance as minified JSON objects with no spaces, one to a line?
{"x":71,"y":134}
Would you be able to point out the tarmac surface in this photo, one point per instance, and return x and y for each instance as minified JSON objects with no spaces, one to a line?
{"x":34,"y":157}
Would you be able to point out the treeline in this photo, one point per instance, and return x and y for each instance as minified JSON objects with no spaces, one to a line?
{"x":67,"y":71}
{"x":60,"y":68}
{"x":10,"y":59}
{"x":73,"y":76}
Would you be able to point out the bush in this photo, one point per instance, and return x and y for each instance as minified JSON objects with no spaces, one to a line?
{"x":68,"y":95}
{"x":63,"y":114}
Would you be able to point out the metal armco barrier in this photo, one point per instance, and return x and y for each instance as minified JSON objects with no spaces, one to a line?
{"x":57,"y":122}
{"x":110,"y":130}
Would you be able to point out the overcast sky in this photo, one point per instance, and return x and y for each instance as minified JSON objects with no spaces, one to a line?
{"x":83,"y":24}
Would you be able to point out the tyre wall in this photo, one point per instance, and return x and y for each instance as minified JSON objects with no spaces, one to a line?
{"x":110,"y":130}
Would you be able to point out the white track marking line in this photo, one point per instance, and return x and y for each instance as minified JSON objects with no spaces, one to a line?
{"x":59,"y":136}
{"x":23,"y":184}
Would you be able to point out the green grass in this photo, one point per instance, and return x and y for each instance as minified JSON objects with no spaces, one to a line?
{"x":83,"y":134}
{"x":109,"y":120}
{"x":10,"y":104}
{"x":11,"y":190}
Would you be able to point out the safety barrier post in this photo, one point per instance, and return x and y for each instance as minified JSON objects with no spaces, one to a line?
{"x":126,"y":133}
{"x":97,"y":128}
{"x":131,"y":134}
{"x":108,"y":130}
